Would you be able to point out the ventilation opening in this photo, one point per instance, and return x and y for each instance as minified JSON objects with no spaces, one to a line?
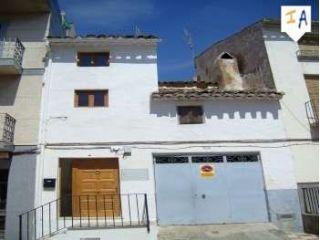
{"x":226,"y":56}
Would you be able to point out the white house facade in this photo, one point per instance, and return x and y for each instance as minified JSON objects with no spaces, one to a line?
{"x":120,"y":150}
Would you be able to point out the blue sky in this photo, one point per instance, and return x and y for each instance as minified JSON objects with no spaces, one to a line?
{"x":207,"y":20}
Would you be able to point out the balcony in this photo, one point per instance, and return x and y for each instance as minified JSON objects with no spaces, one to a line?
{"x":11,"y":55}
{"x":308,"y":55}
{"x":24,"y":6}
{"x":312,"y":113}
{"x":7,"y":125}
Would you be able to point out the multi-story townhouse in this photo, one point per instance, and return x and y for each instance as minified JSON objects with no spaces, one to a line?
{"x":24,"y":26}
{"x":268,"y":58}
{"x":120,"y":149}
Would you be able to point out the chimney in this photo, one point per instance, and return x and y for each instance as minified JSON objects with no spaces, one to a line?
{"x":226,"y":73}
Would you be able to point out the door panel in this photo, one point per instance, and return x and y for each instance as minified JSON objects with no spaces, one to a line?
{"x":246,"y":192}
{"x":95,"y":187}
{"x":175,"y":204}
{"x":211,"y":196}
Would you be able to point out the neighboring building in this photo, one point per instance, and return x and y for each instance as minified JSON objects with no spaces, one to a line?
{"x":268,"y":58}
{"x":24,"y":26}
{"x":121,"y":150}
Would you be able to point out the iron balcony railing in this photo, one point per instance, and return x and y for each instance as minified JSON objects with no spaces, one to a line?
{"x":309,"y":197}
{"x":85,"y":212}
{"x":12,"y":50}
{"x":312,"y":113}
{"x":7,"y":126}
{"x":308,"y":55}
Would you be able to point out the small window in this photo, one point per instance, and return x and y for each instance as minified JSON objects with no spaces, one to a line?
{"x":242,"y":158}
{"x":207,"y":159}
{"x":171,"y":159}
{"x":190,"y":114}
{"x":91,"y":98}
{"x":96,"y":59}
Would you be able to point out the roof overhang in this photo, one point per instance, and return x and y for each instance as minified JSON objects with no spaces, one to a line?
{"x":214,"y":94}
{"x":100,"y":41}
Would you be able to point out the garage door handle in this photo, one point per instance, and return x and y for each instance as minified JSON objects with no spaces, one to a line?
{"x":203,"y":196}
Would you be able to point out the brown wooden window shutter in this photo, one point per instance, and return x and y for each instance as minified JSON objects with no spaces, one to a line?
{"x":190,"y":114}
{"x":91,"y":98}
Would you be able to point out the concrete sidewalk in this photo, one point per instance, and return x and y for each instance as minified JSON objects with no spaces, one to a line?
{"x":259,"y":231}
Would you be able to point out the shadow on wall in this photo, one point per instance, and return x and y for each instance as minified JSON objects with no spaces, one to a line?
{"x":136,"y":56}
{"x":315,"y":133}
{"x":27,"y":27}
{"x":8,"y":89}
{"x":222,"y":109}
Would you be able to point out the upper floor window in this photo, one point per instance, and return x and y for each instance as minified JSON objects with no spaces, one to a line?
{"x":190,"y":114}
{"x":91,"y":98}
{"x":93,"y":59}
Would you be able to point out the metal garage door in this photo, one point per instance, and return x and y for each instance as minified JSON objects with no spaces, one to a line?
{"x":232,"y":192}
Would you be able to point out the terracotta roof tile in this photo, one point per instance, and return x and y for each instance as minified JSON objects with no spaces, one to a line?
{"x":174,"y":93}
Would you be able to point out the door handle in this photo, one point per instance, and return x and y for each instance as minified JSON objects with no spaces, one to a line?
{"x":203,"y":196}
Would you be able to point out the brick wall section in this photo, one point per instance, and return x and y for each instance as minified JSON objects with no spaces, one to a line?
{"x":248,"y":47}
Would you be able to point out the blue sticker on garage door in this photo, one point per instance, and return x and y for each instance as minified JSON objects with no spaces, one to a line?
{"x":234,"y":193}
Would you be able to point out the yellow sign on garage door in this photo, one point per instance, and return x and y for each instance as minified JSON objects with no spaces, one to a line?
{"x":207,"y":170}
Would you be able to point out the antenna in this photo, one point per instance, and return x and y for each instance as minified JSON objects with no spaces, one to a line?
{"x":189,"y":41}
{"x":137,"y":31}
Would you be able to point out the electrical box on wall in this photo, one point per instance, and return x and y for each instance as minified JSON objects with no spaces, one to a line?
{"x":127,"y":151}
{"x":49,"y":183}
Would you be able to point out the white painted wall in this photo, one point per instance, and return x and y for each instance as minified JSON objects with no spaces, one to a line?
{"x":276,"y":161}
{"x":288,"y":76}
{"x":131,"y":117}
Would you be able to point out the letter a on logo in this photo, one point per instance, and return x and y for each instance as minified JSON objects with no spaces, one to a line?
{"x":295,"y":21}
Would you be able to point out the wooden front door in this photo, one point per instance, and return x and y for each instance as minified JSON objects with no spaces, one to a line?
{"x":95,"y":187}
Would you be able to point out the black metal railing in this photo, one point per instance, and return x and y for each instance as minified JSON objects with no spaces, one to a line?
{"x":12,"y":49}
{"x":312,"y":113}
{"x":85,"y":212}
{"x":7,"y":126}
{"x":309,"y":197}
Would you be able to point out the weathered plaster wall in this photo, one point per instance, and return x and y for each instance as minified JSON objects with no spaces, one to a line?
{"x":20,"y":97}
{"x":32,"y":30}
{"x":247,"y":46}
{"x":288,"y":76}
{"x":21,"y":190}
